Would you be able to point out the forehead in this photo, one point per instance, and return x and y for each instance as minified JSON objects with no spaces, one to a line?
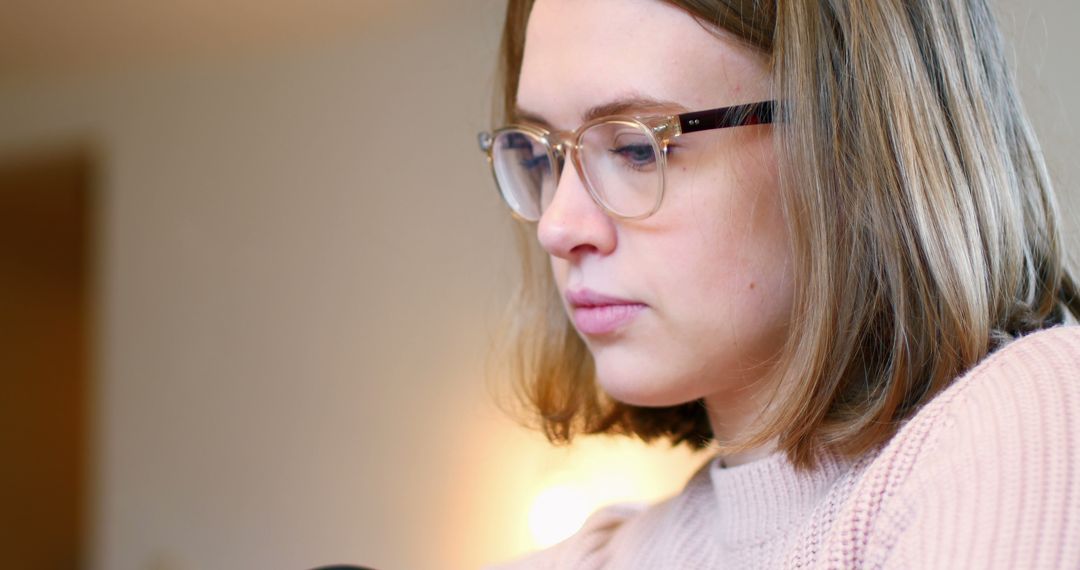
{"x":581,"y":53}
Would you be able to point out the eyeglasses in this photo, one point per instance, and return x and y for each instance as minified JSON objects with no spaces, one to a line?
{"x":621,"y":160}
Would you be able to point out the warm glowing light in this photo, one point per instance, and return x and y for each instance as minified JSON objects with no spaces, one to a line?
{"x":556,"y":513}
{"x":538,"y":495}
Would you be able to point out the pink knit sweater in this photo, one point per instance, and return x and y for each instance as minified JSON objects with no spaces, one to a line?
{"x":986,"y":475}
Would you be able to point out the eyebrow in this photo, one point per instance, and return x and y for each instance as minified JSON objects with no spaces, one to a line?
{"x":633,"y":104}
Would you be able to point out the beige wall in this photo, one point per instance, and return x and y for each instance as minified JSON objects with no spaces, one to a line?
{"x":302,"y":258}
{"x":1043,"y":36}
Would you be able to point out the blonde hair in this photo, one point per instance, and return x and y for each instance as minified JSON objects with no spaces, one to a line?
{"x":923,"y":221}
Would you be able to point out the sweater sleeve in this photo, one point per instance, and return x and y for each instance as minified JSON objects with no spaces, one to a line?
{"x":1001,"y":487}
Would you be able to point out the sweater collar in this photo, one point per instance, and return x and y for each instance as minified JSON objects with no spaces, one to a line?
{"x":766,"y":497}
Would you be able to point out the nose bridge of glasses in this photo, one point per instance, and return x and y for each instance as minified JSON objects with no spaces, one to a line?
{"x":563,"y":145}
{"x":562,"y":142}
{"x":566,"y":145}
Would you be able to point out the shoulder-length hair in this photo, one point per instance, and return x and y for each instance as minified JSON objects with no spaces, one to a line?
{"x":924,"y":226}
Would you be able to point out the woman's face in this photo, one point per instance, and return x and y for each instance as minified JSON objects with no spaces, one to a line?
{"x":706,"y":278}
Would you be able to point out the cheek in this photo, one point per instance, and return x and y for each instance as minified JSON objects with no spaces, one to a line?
{"x":728,"y":248}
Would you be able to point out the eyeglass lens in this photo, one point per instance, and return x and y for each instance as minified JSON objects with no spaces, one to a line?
{"x":524,"y":172}
{"x":619,"y":159}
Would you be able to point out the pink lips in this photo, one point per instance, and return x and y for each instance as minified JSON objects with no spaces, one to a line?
{"x":597,"y":314}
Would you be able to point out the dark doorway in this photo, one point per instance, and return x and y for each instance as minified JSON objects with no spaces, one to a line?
{"x":45,"y":279}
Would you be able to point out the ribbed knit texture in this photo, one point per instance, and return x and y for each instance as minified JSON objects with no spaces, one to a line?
{"x":985,"y":475}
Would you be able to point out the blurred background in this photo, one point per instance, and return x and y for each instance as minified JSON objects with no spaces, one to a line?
{"x":251,"y":266}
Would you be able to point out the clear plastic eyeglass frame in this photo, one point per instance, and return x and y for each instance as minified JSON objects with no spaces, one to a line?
{"x":662,"y":129}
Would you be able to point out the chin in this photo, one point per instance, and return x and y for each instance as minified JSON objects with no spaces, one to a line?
{"x":636,"y":386}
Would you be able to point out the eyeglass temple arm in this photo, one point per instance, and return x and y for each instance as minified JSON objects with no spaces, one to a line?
{"x":735,"y":116}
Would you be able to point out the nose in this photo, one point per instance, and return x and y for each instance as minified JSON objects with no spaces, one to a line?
{"x":573,"y":223}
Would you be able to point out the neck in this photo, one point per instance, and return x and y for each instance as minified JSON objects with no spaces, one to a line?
{"x":731,"y":417}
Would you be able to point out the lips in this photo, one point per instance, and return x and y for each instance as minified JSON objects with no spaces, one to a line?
{"x":599,"y":314}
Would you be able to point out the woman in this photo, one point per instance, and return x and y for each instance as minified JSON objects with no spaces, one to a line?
{"x":817,"y":237}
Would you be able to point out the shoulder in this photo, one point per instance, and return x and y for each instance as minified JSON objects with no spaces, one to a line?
{"x":1040,"y":370}
{"x":1023,"y":395}
{"x":1052,"y":353}
{"x":993,"y":457}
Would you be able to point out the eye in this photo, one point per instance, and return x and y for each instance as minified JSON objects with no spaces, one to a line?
{"x":631,"y":148}
{"x":539,"y":162}
{"x":636,"y":155}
